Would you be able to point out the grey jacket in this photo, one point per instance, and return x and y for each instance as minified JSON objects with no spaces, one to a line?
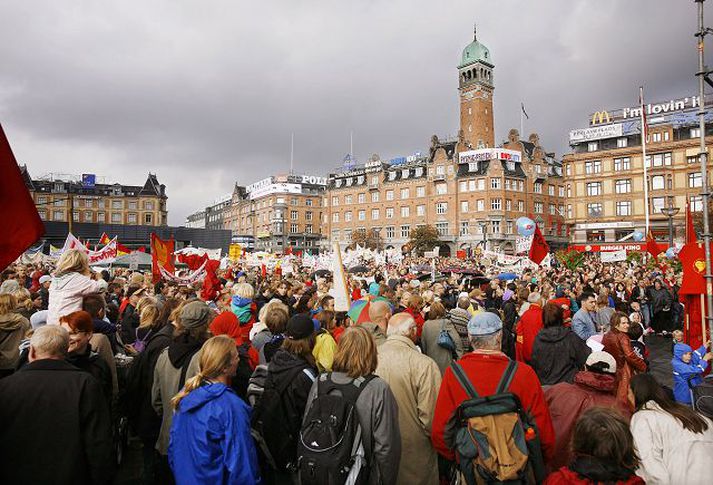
{"x":379,"y":418}
{"x":429,"y":343}
{"x":584,"y":323}
{"x":166,"y":380}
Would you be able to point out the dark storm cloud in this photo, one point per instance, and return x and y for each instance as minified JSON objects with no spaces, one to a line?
{"x":207,"y":93}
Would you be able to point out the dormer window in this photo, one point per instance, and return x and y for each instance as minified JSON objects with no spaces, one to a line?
{"x":338,"y":183}
{"x":404,"y":173}
{"x":360,"y":179}
{"x":419,"y":171}
{"x":349,"y":182}
{"x":392,"y":175}
{"x":473,"y":167}
{"x":510,"y":166}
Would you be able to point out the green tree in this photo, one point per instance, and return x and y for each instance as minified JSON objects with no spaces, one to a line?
{"x":569,"y":258}
{"x":423,"y":238}
{"x":365,"y":239}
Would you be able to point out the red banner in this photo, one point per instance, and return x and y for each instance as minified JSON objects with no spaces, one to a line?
{"x":615,"y":246}
{"x":161,"y":256}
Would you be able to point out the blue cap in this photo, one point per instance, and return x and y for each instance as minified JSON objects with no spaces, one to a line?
{"x":374,"y":288}
{"x":483,"y":324}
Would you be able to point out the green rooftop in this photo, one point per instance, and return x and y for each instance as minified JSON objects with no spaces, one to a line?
{"x":475,"y":52}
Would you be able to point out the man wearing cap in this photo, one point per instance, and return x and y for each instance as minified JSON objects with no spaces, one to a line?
{"x":176,"y":364}
{"x":595,"y":386}
{"x":44,"y":291}
{"x":484,"y":367}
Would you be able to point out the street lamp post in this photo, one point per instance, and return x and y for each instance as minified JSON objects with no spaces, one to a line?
{"x":484,"y":230}
{"x":670,"y":212}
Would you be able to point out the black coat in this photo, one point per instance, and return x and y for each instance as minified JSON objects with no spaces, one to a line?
{"x":55,"y":427}
{"x":558,"y":354}
{"x":90,"y":362}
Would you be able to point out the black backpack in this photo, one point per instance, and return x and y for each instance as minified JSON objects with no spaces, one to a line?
{"x":702,"y":396}
{"x":275,"y":424}
{"x":330,"y":448}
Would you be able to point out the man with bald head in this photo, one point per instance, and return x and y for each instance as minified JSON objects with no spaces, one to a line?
{"x":414,"y":379}
{"x":379,"y":314}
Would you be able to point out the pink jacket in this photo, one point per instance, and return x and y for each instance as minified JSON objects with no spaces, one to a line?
{"x":66,"y":293}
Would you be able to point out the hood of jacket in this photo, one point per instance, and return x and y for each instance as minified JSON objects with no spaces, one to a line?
{"x":11,"y":321}
{"x":65,"y":281}
{"x":182,"y":348}
{"x":595,"y":381}
{"x":242,"y":308}
{"x":679,"y":350}
{"x":284,"y":361}
{"x":198,"y":397}
{"x":553,"y":334}
{"x":600,"y":471}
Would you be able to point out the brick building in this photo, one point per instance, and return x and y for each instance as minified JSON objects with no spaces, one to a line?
{"x":56,"y":196}
{"x":469,"y":190}
{"x":604,"y":173}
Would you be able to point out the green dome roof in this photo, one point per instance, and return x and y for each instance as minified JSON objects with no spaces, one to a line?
{"x":474,"y":52}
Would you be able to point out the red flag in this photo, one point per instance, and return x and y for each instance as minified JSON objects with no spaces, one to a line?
{"x":104,"y":239}
{"x":651,"y":246}
{"x":289,"y":249}
{"x":263,"y":270}
{"x":211,"y":283}
{"x":690,"y":231}
{"x":193,"y":261}
{"x":161,"y":255}
{"x":539,"y":247}
{"x":21,"y":224}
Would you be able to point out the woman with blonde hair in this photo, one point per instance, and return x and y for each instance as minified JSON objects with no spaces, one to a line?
{"x":13,"y":328}
{"x":210,"y":435}
{"x":25,"y":306}
{"x":71,"y":283}
{"x":149,"y":323}
{"x":244,"y":307}
{"x":354,"y":365}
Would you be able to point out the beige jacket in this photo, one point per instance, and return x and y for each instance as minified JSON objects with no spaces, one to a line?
{"x":414,"y":380}
{"x":13,"y":328}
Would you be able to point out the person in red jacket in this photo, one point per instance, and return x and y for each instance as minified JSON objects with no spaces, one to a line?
{"x":415,"y":305}
{"x":603,"y":450}
{"x":528,"y":327}
{"x":484,"y":367}
{"x":595,"y":386}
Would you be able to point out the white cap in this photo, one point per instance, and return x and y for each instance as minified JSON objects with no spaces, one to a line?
{"x":45,"y":278}
{"x":603,"y":357}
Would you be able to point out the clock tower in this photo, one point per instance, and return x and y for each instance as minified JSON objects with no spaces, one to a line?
{"x":475,"y":86}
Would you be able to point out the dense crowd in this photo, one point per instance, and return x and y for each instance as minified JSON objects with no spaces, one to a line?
{"x":435,"y":374}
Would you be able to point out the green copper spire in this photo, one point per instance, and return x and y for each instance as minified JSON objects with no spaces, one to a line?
{"x":475,"y":51}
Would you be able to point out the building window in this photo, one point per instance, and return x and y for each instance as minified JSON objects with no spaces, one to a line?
{"x":481,"y":184}
{"x":58,"y":215}
{"x":594,"y":188}
{"x":593,"y":166}
{"x":308,"y":202}
{"x":440,"y":170}
{"x":552,"y":209}
{"x":100,"y":217}
{"x":420,"y":191}
{"x":623,"y":208}
{"x":361,"y":198}
{"x":695,"y":179}
{"x":508,"y":204}
{"x":87,"y":216}
{"x":148,"y":218}
{"x":375,"y":197}
{"x":348,"y":181}
{"x":592,"y":146}
{"x":463,"y":228}
{"x":441,"y":189}
{"x":133,"y":205}
{"x":374,"y":180}
{"x":658,"y":159}
{"x":441,"y":208}
{"x":335,"y":217}
{"x":58,"y":203}
{"x":594,"y":209}
{"x":656,"y":137}
{"x":696,"y":203}
{"x":463,"y":186}
{"x":294,"y":228}
{"x":421,"y":210}
{"x":308,"y":215}
{"x":116,"y":218}
{"x":348,"y":199}
{"x":442,"y":228}
{"x":473,"y":166}
{"x":508,"y":227}
{"x":561,"y":190}
{"x":658,"y":203}
{"x":471,"y":185}
{"x":335,"y":201}
{"x":361,"y":215}
{"x":389,"y":195}
{"x":694,"y":159}
{"x":405,"y":231}
{"x":464,"y":206}
{"x":348,"y":216}
{"x":622,"y":142}
{"x":41,"y":200}
{"x":392,"y":175}
{"x":43,"y":214}
{"x":117,"y":204}
{"x":538,"y":207}
{"x":496,"y":204}
{"x":404,"y":193}
{"x":551,"y":190}
{"x":695,"y":133}
{"x":481,"y":205}
{"x":404,"y":173}
{"x":657,"y":182}
{"x":131,"y":219}
{"x":537,"y":187}
{"x":360,"y":179}
{"x":623,"y":163}
{"x":389,"y":212}
{"x":623,"y":186}
{"x":568,"y":170}
{"x":495,"y":183}
{"x":405,"y":211}
{"x":495,"y":227}
{"x":389,"y":232}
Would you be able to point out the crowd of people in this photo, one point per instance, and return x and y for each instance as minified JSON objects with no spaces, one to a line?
{"x":266,"y":382}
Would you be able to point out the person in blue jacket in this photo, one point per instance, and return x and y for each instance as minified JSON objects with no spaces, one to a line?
{"x":688,"y":366}
{"x":210,"y":436}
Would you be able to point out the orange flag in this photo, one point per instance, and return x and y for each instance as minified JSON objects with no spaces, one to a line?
{"x":162,"y":255}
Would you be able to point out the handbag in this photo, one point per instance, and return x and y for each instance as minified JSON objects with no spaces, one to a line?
{"x":444,"y":338}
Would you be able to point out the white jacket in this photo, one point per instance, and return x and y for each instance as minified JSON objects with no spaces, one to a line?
{"x":671,"y":454}
{"x":66,"y":293}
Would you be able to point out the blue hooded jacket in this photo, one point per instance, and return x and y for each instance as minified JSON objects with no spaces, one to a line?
{"x":242,"y":307}
{"x":682,"y":372}
{"x":210,"y":439}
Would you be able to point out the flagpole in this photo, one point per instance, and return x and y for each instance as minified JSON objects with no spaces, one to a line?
{"x":522,"y":123}
{"x":643,"y":151}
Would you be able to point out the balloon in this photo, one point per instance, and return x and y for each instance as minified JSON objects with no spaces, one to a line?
{"x":671,"y":253}
{"x":525,"y":226}
{"x":638,"y":236}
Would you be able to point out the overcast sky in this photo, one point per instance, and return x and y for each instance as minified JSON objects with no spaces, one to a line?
{"x":206,"y":93}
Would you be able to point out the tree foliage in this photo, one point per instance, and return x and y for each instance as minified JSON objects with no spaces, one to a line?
{"x":569,"y":258}
{"x":424,"y":238}
{"x":365,"y":239}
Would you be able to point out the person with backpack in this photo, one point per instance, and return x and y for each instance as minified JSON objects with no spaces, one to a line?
{"x":369,"y":441}
{"x":414,"y":379}
{"x":177,"y":363}
{"x":277,"y":414}
{"x":210,"y":435}
{"x":487,"y":372}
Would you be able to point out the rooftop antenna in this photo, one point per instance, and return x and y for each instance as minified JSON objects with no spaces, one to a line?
{"x":292,"y":152}
{"x":475,"y":31}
